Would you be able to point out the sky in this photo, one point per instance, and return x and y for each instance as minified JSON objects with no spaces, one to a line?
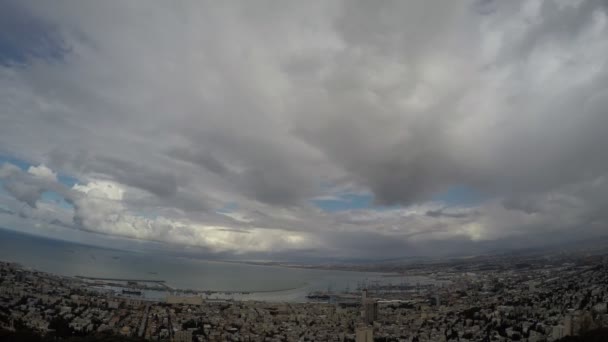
{"x":305,"y":129}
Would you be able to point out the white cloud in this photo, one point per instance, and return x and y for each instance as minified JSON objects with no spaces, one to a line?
{"x":43,"y":172}
{"x":103,"y":189}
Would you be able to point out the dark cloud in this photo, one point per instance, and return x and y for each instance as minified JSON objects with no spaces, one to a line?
{"x":60,"y":223}
{"x":273,"y":185}
{"x":28,"y":193}
{"x":201,"y":158}
{"x":6,"y":211}
{"x":157,"y":182}
{"x":25,"y":36}
{"x":526,"y":204}
{"x":234,"y":230}
{"x":444,"y":213}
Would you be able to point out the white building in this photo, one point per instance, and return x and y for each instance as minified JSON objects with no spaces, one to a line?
{"x":364,"y":333}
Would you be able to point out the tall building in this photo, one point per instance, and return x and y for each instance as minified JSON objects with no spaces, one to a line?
{"x":568,"y":325}
{"x":370,"y":310}
{"x":364,"y":333}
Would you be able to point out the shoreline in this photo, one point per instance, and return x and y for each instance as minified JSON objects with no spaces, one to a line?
{"x":166,"y":290}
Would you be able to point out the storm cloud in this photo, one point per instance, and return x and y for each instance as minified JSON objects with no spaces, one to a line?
{"x":195,"y":122}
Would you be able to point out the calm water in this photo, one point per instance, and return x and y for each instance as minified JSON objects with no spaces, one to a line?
{"x":268,"y":282}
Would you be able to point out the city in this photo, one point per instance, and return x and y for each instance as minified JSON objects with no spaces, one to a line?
{"x":304,"y":170}
{"x":541,"y":299}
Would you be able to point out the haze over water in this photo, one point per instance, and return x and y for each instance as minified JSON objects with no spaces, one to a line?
{"x":272,"y":282}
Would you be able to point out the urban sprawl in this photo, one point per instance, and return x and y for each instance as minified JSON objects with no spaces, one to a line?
{"x":479,"y":299}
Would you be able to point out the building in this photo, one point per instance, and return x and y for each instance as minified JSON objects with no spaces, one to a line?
{"x":192,"y":300}
{"x":567,"y":326}
{"x":558,"y":332}
{"x":364,"y":333}
{"x":370,"y":310}
{"x":182,"y":336}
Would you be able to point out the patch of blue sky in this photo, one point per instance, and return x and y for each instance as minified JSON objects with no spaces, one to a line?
{"x":460,"y":195}
{"x":23,"y":165}
{"x":345,"y":202}
{"x":67,"y":180}
{"x":352,"y":202}
{"x":146,"y":214}
{"x":56,"y":199}
{"x":457,"y":195}
{"x":228,"y":208}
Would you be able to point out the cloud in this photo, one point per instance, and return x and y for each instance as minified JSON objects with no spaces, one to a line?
{"x":29,"y":186}
{"x":37,"y":37}
{"x":162,"y":184}
{"x":44,"y":172}
{"x":206,"y":160}
{"x":443,"y":213}
{"x":101,"y":207}
{"x":6,"y":211}
{"x":167,"y":118}
{"x":104,"y":189}
{"x":27,"y":193}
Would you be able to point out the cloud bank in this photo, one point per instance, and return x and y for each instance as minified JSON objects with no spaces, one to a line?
{"x":230,"y":126}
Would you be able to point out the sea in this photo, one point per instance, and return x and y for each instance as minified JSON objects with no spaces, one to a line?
{"x":228,"y":280}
